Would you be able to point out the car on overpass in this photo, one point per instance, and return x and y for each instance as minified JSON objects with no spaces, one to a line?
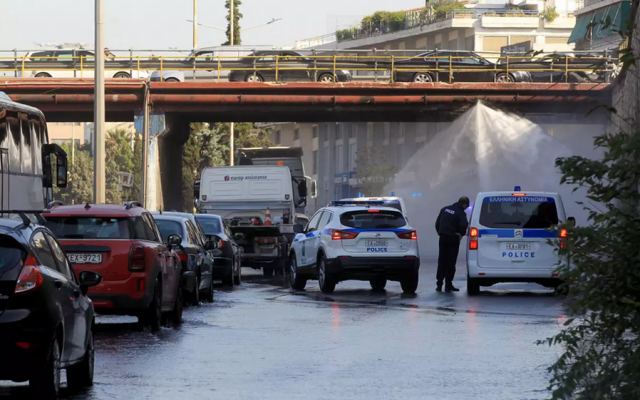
{"x":286,"y":65}
{"x":76,"y":63}
{"x":453,"y":66}
{"x":564,"y":67}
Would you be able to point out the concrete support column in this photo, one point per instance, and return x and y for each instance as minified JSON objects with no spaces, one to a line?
{"x":170,"y":153}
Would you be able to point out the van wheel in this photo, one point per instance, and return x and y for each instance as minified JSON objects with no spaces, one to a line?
{"x":326,"y":282}
{"x":378,"y":284}
{"x":45,"y":381}
{"x":409,"y":283}
{"x":473,"y":287}
{"x":80,"y":375}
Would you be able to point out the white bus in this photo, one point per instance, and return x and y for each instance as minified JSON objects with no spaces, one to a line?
{"x":27,"y":160}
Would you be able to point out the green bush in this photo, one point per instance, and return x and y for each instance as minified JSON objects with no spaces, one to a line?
{"x":550,"y":14}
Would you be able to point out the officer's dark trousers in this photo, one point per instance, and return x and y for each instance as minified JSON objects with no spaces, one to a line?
{"x":447,"y":258}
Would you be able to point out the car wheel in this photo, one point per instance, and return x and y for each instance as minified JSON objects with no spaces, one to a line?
{"x":378,"y":284}
{"x":208,"y":294}
{"x":473,"y":287}
{"x":327,"y":78}
{"x":296,"y":281}
{"x":422,"y":77}
{"x":227,"y":280}
{"x":45,"y":381}
{"x":326,"y":282}
{"x":154,"y":312}
{"x":172,"y":79}
{"x":80,"y":375}
{"x":178,"y":307}
{"x":122,"y":75}
{"x":409,"y":283}
{"x":43,"y":75}
{"x":504,"y":77}
{"x":255,"y":77}
{"x":195,"y":294}
{"x":237,"y":279}
{"x":267,"y":272}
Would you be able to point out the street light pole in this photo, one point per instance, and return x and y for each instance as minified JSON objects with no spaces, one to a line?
{"x":195,"y":24}
{"x":98,"y":114}
{"x":232,"y":35}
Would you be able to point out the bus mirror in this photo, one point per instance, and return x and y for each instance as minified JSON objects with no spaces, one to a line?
{"x":47,"y":178}
{"x":302,"y":189}
{"x":314,"y":189}
{"x":61,"y":170}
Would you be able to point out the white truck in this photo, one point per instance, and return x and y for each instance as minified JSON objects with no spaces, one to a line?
{"x":257,"y":203}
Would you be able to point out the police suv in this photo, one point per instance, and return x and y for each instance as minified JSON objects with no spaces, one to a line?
{"x":349,"y":241}
{"x":513,"y":237}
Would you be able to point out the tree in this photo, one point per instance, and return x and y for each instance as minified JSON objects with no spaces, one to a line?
{"x":80,"y":183}
{"x":119,"y":161}
{"x":236,"y":22}
{"x":601,"y":358}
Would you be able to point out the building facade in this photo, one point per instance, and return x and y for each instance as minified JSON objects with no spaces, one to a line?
{"x":600,"y":23}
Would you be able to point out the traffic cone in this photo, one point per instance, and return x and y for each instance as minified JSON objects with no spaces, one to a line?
{"x":267,"y":217}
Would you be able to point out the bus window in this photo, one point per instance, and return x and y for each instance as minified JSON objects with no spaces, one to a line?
{"x":25,"y":148}
{"x":36,"y":145}
{"x":14,"y":145}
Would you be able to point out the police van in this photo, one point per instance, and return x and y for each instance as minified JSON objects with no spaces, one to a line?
{"x":513,"y":237}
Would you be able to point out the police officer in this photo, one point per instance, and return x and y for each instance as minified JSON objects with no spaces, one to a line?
{"x":451,"y":226}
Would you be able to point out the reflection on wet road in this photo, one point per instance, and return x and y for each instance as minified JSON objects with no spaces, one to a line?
{"x":262,"y":341}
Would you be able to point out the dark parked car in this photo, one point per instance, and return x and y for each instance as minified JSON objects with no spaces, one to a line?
{"x":141,"y":276}
{"x":560,"y":67}
{"x":228,"y":262}
{"x":262,"y":65}
{"x":46,"y":319}
{"x":453,"y":66}
{"x":185,"y":237}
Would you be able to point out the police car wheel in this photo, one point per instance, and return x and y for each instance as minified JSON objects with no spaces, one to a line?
{"x":378,"y":284}
{"x":473,"y":287}
{"x":325,"y":280}
{"x":410,"y":283}
{"x":295,"y":280}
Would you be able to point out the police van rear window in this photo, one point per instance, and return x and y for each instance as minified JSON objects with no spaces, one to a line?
{"x":518,"y":212}
{"x":372,"y":219}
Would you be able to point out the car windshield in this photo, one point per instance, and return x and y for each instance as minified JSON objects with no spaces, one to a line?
{"x":520,"y":212}
{"x":210,"y":226}
{"x":373,"y":219}
{"x":168,"y":228}
{"x":90,"y":227}
{"x":11,"y":253}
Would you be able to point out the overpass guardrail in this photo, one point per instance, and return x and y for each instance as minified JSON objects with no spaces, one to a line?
{"x":336,"y":66}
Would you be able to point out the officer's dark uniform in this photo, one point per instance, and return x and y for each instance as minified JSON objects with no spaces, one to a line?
{"x":451,"y":226}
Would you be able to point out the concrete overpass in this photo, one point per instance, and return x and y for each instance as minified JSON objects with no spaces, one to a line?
{"x":172,"y":106}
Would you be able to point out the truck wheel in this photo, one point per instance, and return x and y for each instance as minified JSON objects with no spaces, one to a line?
{"x":267,"y":272}
{"x":378,"y":284}
{"x":80,"y":375}
{"x":473,"y":287}
{"x":409,"y":283}
{"x":296,"y":281}
{"x":326,"y":282}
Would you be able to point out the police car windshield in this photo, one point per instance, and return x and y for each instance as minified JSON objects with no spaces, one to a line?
{"x":373,"y":219}
{"x":90,"y":227}
{"x":520,"y":212}
{"x":10,"y":254}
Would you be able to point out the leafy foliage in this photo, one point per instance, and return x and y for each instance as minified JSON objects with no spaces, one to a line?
{"x":237,"y":15}
{"x":550,"y":14}
{"x":601,"y":358}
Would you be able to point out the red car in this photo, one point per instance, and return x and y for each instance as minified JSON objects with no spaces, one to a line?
{"x":140,"y":274}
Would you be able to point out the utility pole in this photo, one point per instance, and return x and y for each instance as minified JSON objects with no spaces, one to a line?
{"x":98,"y":112}
{"x":195,"y":24}
{"x":232,"y":25}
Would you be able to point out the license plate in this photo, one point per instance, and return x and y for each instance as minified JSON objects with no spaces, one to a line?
{"x":78,"y":258}
{"x":376,"y":243}
{"x":518,"y":246}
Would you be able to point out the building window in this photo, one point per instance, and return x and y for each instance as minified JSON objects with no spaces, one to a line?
{"x":314,"y":131}
{"x":296,"y":134}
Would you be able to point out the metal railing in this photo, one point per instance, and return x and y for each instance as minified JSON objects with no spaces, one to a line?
{"x":323,"y":66}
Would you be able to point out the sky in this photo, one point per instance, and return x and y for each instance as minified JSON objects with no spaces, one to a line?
{"x":162,"y":24}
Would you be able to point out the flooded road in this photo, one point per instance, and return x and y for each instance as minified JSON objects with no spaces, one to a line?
{"x":262,"y":341}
